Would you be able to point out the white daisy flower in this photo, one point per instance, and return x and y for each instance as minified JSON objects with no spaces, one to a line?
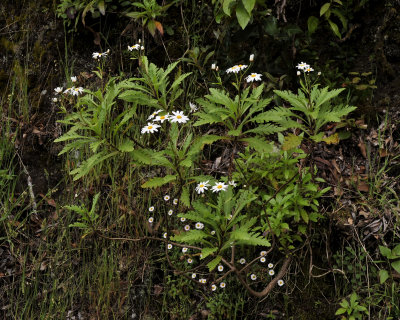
{"x":270,"y":265}
{"x":169,"y":246}
{"x":242,"y":66}
{"x":74,"y":79}
{"x":280,"y":283}
{"x":202,"y":280}
{"x":234,"y":69}
{"x":253,"y":77}
{"x":165,"y":235}
{"x":308,"y":69}
{"x":179,"y":117}
{"x":68,"y":90}
{"x":154,"y":114}
{"x":187,"y":227}
{"x":175,"y":201}
{"x":166,"y":197}
{"x":151,"y":209}
{"x":170,"y":212}
{"x":232,"y":183}
{"x":134,"y":47}
{"x":242,"y":261}
{"x":58,"y":90}
{"x":150,"y":128}
{"x":151,"y":220}
{"x":219,"y":186}
{"x":184,"y":250}
{"x":77,"y":91}
{"x":262,"y":259}
{"x":199,"y":225}
{"x":263,"y":253}
{"x":202,"y":186}
{"x":194,"y":276}
{"x":183,"y":219}
{"x":251,"y":58}
{"x":220,"y":268}
{"x":213,"y":287}
{"x":189,"y":260}
{"x":162,"y":118}
{"x":193,"y":107}
{"x":253,"y":277}
{"x":222,"y":285}
{"x":212,"y":232}
{"x":271,"y":272}
{"x":97,"y":55}
{"x":302,"y":66}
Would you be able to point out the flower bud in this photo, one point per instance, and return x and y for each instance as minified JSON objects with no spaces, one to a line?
{"x":298,"y":73}
{"x":319,"y":73}
{"x":216,"y":69}
{"x":213,"y":66}
{"x":141,"y":48}
{"x":140,"y":41}
{"x":251,"y":59}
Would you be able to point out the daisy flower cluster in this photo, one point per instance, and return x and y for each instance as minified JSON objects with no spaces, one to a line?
{"x":175,"y":117}
{"x":74,"y":91}
{"x":218,"y":186}
{"x":304,"y":67}
{"x":137,"y":46}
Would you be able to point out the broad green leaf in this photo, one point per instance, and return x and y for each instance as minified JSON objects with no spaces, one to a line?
{"x":226,"y":7}
{"x":312,"y":23}
{"x":157,"y":182}
{"x":396,"y":265}
{"x":291,"y":142}
{"x":385,"y":251}
{"x":101,"y":7}
{"x":383,"y":276}
{"x":340,"y":311}
{"x":151,"y":26}
{"x":335,"y":29}
{"x":242,"y":15}
{"x":249,"y":5}
{"x":396,"y":250}
{"x":324,"y":8}
{"x":126,"y":146}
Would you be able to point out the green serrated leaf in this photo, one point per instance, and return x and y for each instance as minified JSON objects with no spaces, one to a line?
{"x":185,"y":197}
{"x":206,"y":252}
{"x":126,"y":146}
{"x":291,"y":142}
{"x":213,"y":263}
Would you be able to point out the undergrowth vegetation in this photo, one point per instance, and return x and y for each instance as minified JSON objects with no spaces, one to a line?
{"x":180,"y":185}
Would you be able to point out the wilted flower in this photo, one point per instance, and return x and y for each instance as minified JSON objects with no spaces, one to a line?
{"x":150,"y":128}
{"x":219,"y":186}
{"x":142,"y":48}
{"x":202,"y":186}
{"x":193,"y":107}
{"x":253,"y":277}
{"x":54,"y":99}
{"x":253,"y":77}
{"x":179,"y":117}
{"x":232,"y":183}
{"x":298,"y":73}
{"x":263,"y":253}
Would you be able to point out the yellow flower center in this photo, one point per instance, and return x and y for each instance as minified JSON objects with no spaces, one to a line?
{"x":162,"y":117}
{"x":150,"y":127}
{"x":253,"y":75}
{"x":240,"y":65}
{"x":219,"y":187}
{"x":179,"y":117}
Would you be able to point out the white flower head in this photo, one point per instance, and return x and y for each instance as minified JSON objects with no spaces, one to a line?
{"x":58,"y":90}
{"x":175,"y":201}
{"x":302,"y":66}
{"x":253,"y":77}
{"x":220,"y":268}
{"x":253,"y":277}
{"x":232,"y":183}
{"x":222,"y":285}
{"x":213,"y":66}
{"x":134,"y":47}
{"x":167,"y":197}
{"x":213,"y":287}
{"x":280,"y":283}
{"x":270,"y":265}
{"x":189,"y":260}
{"x":202,"y":280}
{"x":68,"y":90}
{"x":263,"y":253}
{"x":151,"y":220}
{"x":212,"y":232}
{"x":74,"y":79}
{"x":169,"y":246}
{"x":234,"y":69}
{"x":271,"y":272}
{"x":165,"y":235}
{"x":183,"y":219}
{"x":199,"y":225}
{"x":98,"y":55}
{"x":194,"y":276}
{"x":170,"y":212}
{"x":154,"y":114}
{"x":151,"y":209}
{"x":308,"y":69}
{"x":184,"y":250}
{"x":242,"y":261}
{"x":162,"y":118}
{"x":202,"y":186}
{"x":76,"y":91}
{"x":179,"y":117}
{"x":219,"y":186}
{"x":150,"y":128}
{"x":193,"y":107}
{"x":251,"y":58}
{"x":262,"y":259}
{"x":242,"y":66}
{"x":187,"y":228}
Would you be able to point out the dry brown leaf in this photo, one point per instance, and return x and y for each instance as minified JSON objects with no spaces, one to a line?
{"x":363,"y":149}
